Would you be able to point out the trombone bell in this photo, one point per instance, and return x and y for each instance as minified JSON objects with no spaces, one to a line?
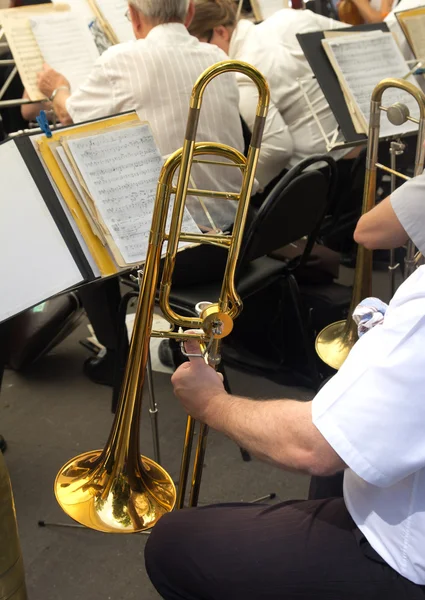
{"x":104,"y":494}
{"x":334,"y":343}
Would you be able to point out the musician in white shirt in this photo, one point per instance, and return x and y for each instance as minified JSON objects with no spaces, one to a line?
{"x":154,"y":75}
{"x":273,"y":48}
{"x":368,"y":422}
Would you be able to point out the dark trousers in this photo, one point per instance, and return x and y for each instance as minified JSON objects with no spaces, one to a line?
{"x":101,"y":300}
{"x":297,"y":550}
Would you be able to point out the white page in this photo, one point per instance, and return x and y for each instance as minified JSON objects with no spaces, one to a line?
{"x":416,"y":28}
{"x":270,"y":7}
{"x":66,"y":163}
{"x":81,"y":8}
{"x":114,"y":11}
{"x":25,"y":50}
{"x":66,"y":45}
{"x":121,"y":170}
{"x":364,"y":61}
{"x":35,"y":262}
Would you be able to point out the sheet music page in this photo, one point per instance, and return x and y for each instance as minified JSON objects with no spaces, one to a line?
{"x":364,"y":61}
{"x":114,"y":13}
{"x":35,"y":261}
{"x":66,"y":44}
{"x":81,"y":8}
{"x":121,"y":170}
{"x":416,"y":28}
{"x":25,"y":50}
{"x":269,"y":7}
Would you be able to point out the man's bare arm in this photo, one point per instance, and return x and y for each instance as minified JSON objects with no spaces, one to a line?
{"x":380,"y":228}
{"x":277,"y":431}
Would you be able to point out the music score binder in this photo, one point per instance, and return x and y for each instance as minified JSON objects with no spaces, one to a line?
{"x":41,"y":255}
{"x":311,"y":44}
{"x":44,"y":230}
{"x":43,"y":251}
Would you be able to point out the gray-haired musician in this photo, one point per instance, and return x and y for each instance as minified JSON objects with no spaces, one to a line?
{"x":155,"y":75}
{"x":368,"y":422}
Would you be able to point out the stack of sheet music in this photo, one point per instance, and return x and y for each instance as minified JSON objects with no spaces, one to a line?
{"x":75,"y":207}
{"x":361,"y":60}
{"x":68,"y":37}
{"x":52,"y":34}
{"x":412,"y":23}
{"x":107,"y":173}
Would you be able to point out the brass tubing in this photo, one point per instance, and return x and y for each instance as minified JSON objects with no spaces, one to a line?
{"x":334,"y":343}
{"x":185,"y":462}
{"x":198,"y":465}
{"x":12,"y":578}
{"x":115,"y":489}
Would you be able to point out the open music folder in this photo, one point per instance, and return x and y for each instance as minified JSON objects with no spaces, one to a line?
{"x":49,"y":34}
{"x":75,"y":207}
{"x":412,"y":23}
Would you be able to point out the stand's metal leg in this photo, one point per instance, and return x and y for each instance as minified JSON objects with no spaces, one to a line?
{"x":185,"y":464}
{"x":270,"y":496}
{"x":8,"y":82}
{"x":153,"y":412}
{"x":396,"y":149}
{"x":198,"y":465}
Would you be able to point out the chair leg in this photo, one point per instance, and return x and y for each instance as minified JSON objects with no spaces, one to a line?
{"x":246,"y":457}
{"x":306,"y":334}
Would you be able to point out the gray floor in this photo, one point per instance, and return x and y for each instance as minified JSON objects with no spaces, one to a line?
{"x":53,"y":413}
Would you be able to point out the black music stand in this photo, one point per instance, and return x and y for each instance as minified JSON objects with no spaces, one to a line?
{"x":311,"y":44}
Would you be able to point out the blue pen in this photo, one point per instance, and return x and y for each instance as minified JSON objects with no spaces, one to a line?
{"x":43,"y":123}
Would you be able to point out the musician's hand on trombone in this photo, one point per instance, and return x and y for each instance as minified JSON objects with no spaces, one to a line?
{"x":199,"y":387}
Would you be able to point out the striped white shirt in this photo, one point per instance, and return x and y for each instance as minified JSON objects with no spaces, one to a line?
{"x":155,"y":77}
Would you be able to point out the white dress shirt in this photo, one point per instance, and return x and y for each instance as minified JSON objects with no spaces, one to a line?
{"x":273,"y":48}
{"x":373,"y":414}
{"x":155,"y":77}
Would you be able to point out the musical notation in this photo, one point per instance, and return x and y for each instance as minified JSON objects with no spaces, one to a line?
{"x":66,"y":44}
{"x":25,"y":50}
{"x":363,"y":61}
{"x":121,"y":169}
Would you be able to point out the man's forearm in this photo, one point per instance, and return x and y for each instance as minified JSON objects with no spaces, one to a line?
{"x":272,"y":430}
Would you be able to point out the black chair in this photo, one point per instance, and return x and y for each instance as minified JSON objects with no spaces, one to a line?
{"x":294,"y":209}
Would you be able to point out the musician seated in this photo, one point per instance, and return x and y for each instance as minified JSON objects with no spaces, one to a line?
{"x":155,"y":75}
{"x":273,"y":48}
{"x":387,"y":224}
{"x":368,"y":422}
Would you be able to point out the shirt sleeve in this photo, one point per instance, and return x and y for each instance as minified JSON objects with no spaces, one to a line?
{"x":408,"y":202}
{"x":277,"y":144}
{"x":94,"y":98}
{"x":372,"y":412}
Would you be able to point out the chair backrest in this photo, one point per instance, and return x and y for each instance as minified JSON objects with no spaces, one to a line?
{"x":294,"y":209}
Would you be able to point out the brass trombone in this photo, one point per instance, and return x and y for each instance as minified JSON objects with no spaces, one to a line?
{"x":116,"y":489}
{"x":335,"y":341}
